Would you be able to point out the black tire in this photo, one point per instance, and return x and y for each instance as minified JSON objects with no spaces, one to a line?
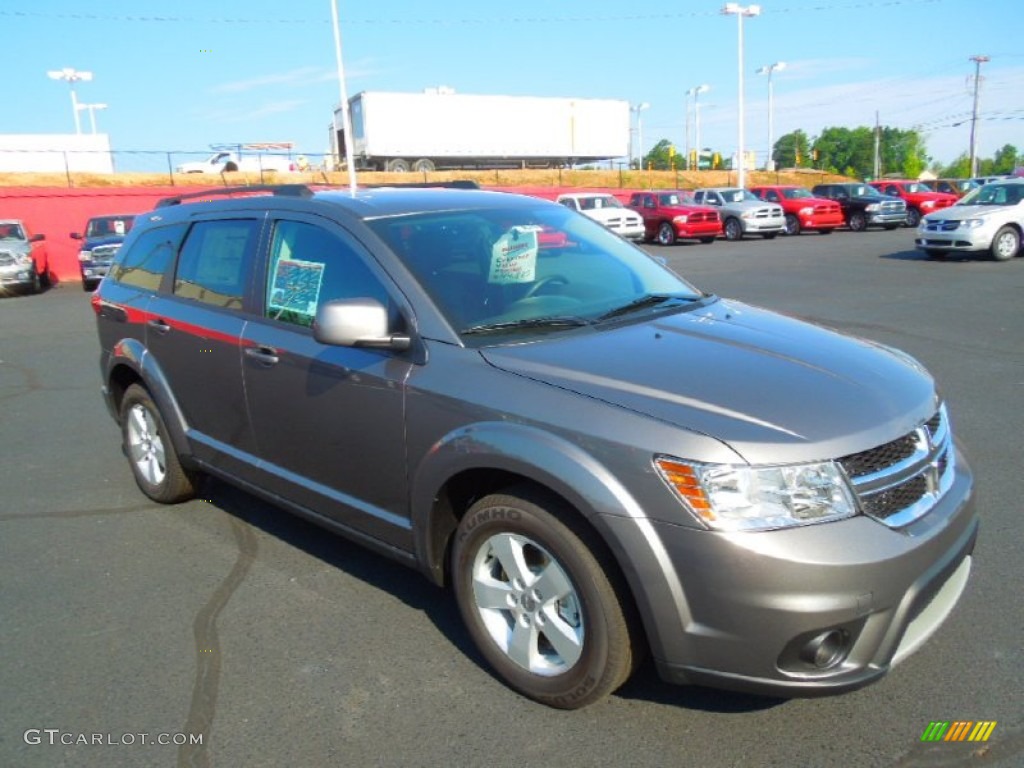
{"x":732,"y":229}
{"x":568,"y":647}
{"x":1006,"y":244}
{"x":37,"y":283}
{"x":792,"y":224}
{"x":858,"y":222}
{"x":769,"y":235}
{"x":666,"y":233}
{"x":150,"y":451}
{"x":89,"y":285}
{"x":707,"y":240}
{"x":424,"y":165}
{"x":398,"y":165}
{"x":913,"y":217}
{"x":44,"y":276}
{"x":825,"y":231}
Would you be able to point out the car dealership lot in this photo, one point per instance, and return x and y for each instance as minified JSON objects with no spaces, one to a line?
{"x":282,"y":645}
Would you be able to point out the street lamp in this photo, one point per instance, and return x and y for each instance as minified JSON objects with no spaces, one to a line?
{"x":695,"y":92}
{"x":92,"y":113}
{"x":346,"y":122}
{"x":768,"y":70}
{"x":740,"y":11}
{"x":72,"y":76}
{"x":638,"y":108}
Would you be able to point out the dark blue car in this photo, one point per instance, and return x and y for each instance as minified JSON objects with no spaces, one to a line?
{"x":103,"y":237}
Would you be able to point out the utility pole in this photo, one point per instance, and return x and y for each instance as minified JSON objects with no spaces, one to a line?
{"x":978,"y":61}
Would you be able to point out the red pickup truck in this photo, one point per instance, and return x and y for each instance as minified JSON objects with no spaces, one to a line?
{"x":672,"y":215}
{"x":919,"y":198}
{"x":803,"y":210}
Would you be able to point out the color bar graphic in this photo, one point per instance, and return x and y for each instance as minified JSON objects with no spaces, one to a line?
{"x":958,"y":730}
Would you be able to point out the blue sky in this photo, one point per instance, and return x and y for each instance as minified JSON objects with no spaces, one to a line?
{"x":185,"y":74}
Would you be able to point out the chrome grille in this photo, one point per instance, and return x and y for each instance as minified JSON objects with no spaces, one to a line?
{"x":894,"y":206}
{"x":945,"y":225}
{"x":902,"y":480}
{"x":104,"y":252}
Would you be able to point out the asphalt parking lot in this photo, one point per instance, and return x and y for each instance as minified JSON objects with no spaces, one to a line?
{"x":126,"y":624}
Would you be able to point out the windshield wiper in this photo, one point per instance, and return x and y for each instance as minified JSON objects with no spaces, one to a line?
{"x":550,"y":321}
{"x":648,"y":300}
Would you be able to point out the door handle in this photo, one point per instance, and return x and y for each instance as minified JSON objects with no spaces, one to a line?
{"x":265,"y":355}
{"x":158,"y":325}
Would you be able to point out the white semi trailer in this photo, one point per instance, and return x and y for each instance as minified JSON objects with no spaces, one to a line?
{"x":440,"y":129}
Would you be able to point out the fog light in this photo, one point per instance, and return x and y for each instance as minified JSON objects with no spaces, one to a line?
{"x":827,"y":649}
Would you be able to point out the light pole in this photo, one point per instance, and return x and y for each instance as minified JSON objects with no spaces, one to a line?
{"x":92,"y":113}
{"x":346,"y":123}
{"x":638,"y":108}
{"x":768,"y":70}
{"x":740,"y":11}
{"x":978,"y":61}
{"x":72,"y":76}
{"x":696,"y":92}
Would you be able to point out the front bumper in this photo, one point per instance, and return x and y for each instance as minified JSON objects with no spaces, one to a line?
{"x":698,"y":229}
{"x":94,"y":270}
{"x":960,"y":239}
{"x":760,"y":226}
{"x":821,"y":222}
{"x":17,"y":277}
{"x":881,"y":218}
{"x":738,"y":611}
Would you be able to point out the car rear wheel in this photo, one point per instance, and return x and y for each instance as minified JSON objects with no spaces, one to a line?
{"x":858,"y":223}
{"x":1006,"y":244}
{"x":733,"y":229}
{"x":666,"y":234}
{"x":537,"y":601}
{"x":792,"y":224}
{"x":424,"y":165}
{"x":151,"y":455}
{"x":398,"y":165}
{"x":913,"y":217}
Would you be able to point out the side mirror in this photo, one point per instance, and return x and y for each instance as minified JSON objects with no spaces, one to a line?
{"x":36,"y":238}
{"x":76,"y":235}
{"x":361,"y":322}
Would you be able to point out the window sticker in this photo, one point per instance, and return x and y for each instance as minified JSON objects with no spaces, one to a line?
{"x":118,"y":227}
{"x":296,"y":286}
{"x":514,"y":256}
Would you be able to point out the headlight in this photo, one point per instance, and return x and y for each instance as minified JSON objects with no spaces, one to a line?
{"x":871,"y":207}
{"x":748,"y":215}
{"x":681,"y":219}
{"x":84,"y":255}
{"x":972,"y":223}
{"x":744,"y":498}
{"x":806,"y":211}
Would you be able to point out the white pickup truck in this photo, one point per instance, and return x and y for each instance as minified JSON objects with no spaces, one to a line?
{"x":231,"y":161}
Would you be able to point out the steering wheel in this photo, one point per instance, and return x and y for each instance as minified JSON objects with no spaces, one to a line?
{"x":545,"y":281}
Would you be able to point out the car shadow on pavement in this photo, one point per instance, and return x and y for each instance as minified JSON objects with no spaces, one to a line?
{"x":915,"y":255}
{"x":438,"y":605}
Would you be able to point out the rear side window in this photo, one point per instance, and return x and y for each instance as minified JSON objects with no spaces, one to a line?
{"x":214,"y":262}
{"x":143,"y":263}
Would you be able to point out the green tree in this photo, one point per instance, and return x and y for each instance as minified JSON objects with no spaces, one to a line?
{"x":663,"y":157}
{"x":902,"y":152}
{"x":1005,"y":159}
{"x":842,"y":150}
{"x":792,"y":150}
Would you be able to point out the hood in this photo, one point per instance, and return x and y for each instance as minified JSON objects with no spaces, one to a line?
{"x":607,"y":214}
{"x":16,"y":246}
{"x":959,"y":212}
{"x":747,"y":205}
{"x":773,"y":388}
{"x":94,"y":242}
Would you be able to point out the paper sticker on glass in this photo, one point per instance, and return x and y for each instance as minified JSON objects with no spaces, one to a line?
{"x":514,"y":256}
{"x":296,"y":286}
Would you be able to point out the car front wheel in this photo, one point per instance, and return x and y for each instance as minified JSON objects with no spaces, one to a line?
{"x":913,"y":217}
{"x":858,"y":223}
{"x":147,"y":444}
{"x":1006,"y":244}
{"x":792,"y":224}
{"x":544,"y":612}
{"x":666,"y":234}
{"x":733,"y":229}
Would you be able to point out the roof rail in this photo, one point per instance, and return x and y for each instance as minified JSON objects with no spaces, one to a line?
{"x":456,"y":184}
{"x":277,"y":190}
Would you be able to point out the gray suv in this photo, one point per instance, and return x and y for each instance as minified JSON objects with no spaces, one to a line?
{"x":600,"y":460}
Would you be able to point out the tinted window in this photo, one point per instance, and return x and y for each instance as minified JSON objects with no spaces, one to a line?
{"x":213,"y":266}
{"x":308,"y":266}
{"x":143,"y":263}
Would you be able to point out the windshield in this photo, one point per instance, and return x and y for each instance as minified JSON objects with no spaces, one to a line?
{"x":863,"y":190}
{"x":796,"y":194}
{"x":675,"y":198}
{"x":916,"y":187}
{"x":528,"y":270}
{"x":739,"y":195}
{"x":107,"y":226}
{"x":598,"y":201}
{"x":10,"y":231}
{"x":994,"y":194}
